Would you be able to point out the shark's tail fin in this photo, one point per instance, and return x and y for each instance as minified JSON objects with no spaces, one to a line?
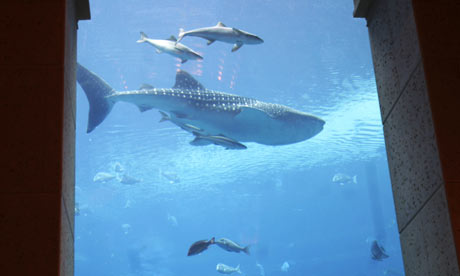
{"x":237,"y":269}
{"x":180,"y":35}
{"x":246,"y":250}
{"x":143,"y":38}
{"x":355,"y":179}
{"x":96,"y":90}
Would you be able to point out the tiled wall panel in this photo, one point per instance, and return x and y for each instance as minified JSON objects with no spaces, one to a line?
{"x":427,"y":241}
{"x":412,"y":151}
{"x":415,"y":49}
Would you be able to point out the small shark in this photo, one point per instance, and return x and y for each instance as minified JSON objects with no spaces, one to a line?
{"x":172,"y":47}
{"x":227,"y":143}
{"x":223,"y":33}
{"x":202,"y":140}
{"x":211,"y":113}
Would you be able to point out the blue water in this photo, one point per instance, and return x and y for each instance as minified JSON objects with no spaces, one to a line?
{"x":279,"y":200}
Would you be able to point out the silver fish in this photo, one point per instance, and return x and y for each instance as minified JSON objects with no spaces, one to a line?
{"x":231,"y":246}
{"x":172,"y":47}
{"x":220,"y":32}
{"x":343,"y":179}
{"x":225,"y":269}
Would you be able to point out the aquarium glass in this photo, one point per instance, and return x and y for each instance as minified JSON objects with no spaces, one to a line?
{"x":147,"y":190}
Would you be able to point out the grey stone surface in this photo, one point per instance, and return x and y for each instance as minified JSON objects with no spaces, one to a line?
{"x":395,"y":49}
{"x":413,"y":157}
{"x":386,"y":72}
{"x":66,"y":251}
{"x":405,"y":44}
{"x":427,"y":242}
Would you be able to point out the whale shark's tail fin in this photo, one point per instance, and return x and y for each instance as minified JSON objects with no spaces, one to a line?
{"x":143,"y":38}
{"x":180,"y":35}
{"x":96,"y":90}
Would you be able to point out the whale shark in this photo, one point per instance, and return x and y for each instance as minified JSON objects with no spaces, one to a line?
{"x":222,"y":33}
{"x":207,"y":112}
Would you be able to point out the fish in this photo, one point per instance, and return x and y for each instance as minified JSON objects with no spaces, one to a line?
{"x":117,"y":167}
{"x":204,"y":140}
{"x":171,"y":46}
{"x":200,"y":246}
{"x":378,"y":252}
{"x":343,"y":179}
{"x":261,"y":269}
{"x":227,"y":143}
{"x":128,"y":180}
{"x":172,"y":220}
{"x":77,"y":209}
{"x":225,"y":269}
{"x":214,"y":113}
{"x":103,"y":177}
{"x":285,"y":267}
{"x":231,"y":246}
{"x":186,"y":127}
{"x":171,"y":176}
{"x":220,"y":32}
{"x":126,"y":228}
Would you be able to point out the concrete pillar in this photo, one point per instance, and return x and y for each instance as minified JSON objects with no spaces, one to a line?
{"x":415,"y":49}
{"x":37,"y":79}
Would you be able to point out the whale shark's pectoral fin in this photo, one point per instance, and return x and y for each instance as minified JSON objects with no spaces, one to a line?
{"x":158,"y":51}
{"x":164,"y":116}
{"x":179,"y":115}
{"x":183,"y":60}
{"x":220,"y":24}
{"x":210,"y":41}
{"x":237,"y":45}
{"x":143,"y":108}
{"x":252,"y":114}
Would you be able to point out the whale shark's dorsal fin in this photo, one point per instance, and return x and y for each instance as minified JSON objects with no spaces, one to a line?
{"x":185,"y":81}
{"x":146,"y":86}
{"x":220,"y":24}
{"x":172,"y":38}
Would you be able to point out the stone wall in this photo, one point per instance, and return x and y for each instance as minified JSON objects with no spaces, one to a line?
{"x":417,"y":69}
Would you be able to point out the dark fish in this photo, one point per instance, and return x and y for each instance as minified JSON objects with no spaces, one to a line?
{"x":378,"y":252}
{"x":199,"y":246}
